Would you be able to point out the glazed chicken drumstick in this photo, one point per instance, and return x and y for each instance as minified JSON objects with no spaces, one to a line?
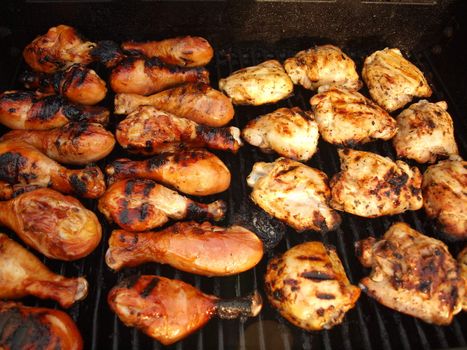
{"x":170,"y":310}
{"x":22,"y":274}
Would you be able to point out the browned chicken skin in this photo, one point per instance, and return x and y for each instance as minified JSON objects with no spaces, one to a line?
{"x":170,"y":310}
{"x":73,"y":143}
{"x":412,"y":273}
{"x":462,"y":261}
{"x":29,"y":110}
{"x":196,"y":172}
{"x":144,"y":76}
{"x":37,"y":328}
{"x":77,"y":83}
{"x":58,"y":226}
{"x":186,"y":51}
{"x":150,"y":131}
{"x":202,"y":249}
{"x":22,"y":274}
{"x":22,"y":166}
{"x":198,"y":102}
{"x":308,"y":286}
{"x":141,"y":205}
{"x":58,"y":49}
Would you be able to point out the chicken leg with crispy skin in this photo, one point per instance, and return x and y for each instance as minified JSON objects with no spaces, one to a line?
{"x":195,"y":172}
{"x":462,"y":261}
{"x":141,"y":205}
{"x":170,"y":310}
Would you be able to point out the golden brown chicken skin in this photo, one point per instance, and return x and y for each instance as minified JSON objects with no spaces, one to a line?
{"x":195,"y":172}
{"x":462,"y":261}
{"x":412,"y":273}
{"x":37,"y":328}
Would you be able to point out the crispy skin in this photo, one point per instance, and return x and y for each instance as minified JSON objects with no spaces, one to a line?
{"x":22,"y":274}
{"x":257,"y":85}
{"x":144,"y":76}
{"x":445,"y":197}
{"x":392,"y":80}
{"x":324,"y":65}
{"x":58,"y":226}
{"x":197,"y":101}
{"x":202,"y":249}
{"x":141,"y":205}
{"x":150,"y":131}
{"x":347,"y":118}
{"x":32,"y":111}
{"x":370,"y":185}
{"x":73,"y":143}
{"x":412,"y":273}
{"x":185,"y":51}
{"x":293,"y":193}
{"x":462,"y":261}
{"x":195,"y":172}
{"x":290,"y":132}
{"x":22,"y":165}
{"x":308,"y":286}
{"x":425,"y":132}
{"x":37,"y":328}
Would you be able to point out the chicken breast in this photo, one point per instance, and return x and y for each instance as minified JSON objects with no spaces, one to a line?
{"x":257,"y":85}
{"x":308,"y":286}
{"x":425,"y":131}
{"x":412,"y":273}
{"x":392,"y":80}
{"x":294,"y":193}
{"x":348,"y":118}
{"x":288,"y":131}
{"x":462,"y":261}
{"x":323,"y":65}
{"x":370,"y":185}
{"x":445,"y":196}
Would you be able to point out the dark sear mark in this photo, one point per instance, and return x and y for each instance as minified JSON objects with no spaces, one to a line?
{"x":78,"y":185}
{"x":294,"y":284}
{"x":129,"y":187}
{"x":148,"y":186}
{"x":19,"y":96}
{"x":157,"y":162}
{"x":317,"y":276}
{"x":310,"y":258}
{"x":325,"y":296}
{"x":48,"y":107}
{"x":129,"y":282}
{"x":149,"y":287}
{"x":11,"y":165}
{"x":285,"y":171}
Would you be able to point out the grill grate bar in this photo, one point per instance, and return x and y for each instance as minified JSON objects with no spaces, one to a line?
{"x":424,"y":341}
{"x":459,"y":333}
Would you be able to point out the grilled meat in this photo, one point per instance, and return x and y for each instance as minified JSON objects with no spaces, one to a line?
{"x":265,"y":83}
{"x":29,"y":110}
{"x":196,"y":172}
{"x":198,"y":102}
{"x":294,"y":193}
{"x":445,"y":197}
{"x":22,"y":166}
{"x":58,"y":226}
{"x":170,"y":310}
{"x":37,"y":328}
{"x":324,"y":65}
{"x":347,"y":118}
{"x":392,"y":80}
{"x":412,"y":273}
{"x":290,"y":132}
{"x":308,"y":286}
{"x":462,"y":261}
{"x":150,"y":131}
{"x":202,"y":249}
{"x":141,"y":204}
{"x":425,"y":132}
{"x":371,"y":185}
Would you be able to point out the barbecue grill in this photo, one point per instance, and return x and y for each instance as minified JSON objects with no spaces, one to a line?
{"x":430,"y":32}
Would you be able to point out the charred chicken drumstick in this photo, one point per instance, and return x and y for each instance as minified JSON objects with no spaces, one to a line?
{"x":462,"y":260}
{"x":170,"y":310}
{"x":22,"y":274}
{"x":141,"y":205}
{"x":195,"y":172}
{"x":35,"y":328}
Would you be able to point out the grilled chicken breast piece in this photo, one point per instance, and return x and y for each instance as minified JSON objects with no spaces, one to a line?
{"x":412,"y":273}
{"x":392,"y":80}
{"x":293,"y":193}
{"x":425,"y":132}
{"x":324,"y":65}
{"x":264,"y":83}
{"x":170,"y":310}
{"x":462,"y":261}
{"x":371,"y":185}
{"x":445,"y":197}
{"x":309,"y":287}
{"x":290,"y":132}
{"x":347,"y":118}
